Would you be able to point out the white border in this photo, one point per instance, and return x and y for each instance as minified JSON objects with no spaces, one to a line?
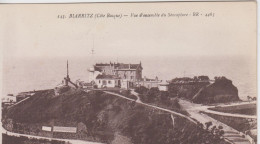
{"x":107,"y":1}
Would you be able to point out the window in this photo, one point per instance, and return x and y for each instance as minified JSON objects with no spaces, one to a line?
{"x":109,"y":82}
{"x":104,"y":82}
{"x":99,"y":81}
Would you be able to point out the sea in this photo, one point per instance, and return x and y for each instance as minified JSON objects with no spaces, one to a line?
{"x":27,"y":74}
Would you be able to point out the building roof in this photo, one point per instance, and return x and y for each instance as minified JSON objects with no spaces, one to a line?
{"x":163,"y":83}
{"x":104,"y":76}
{"x":119,"y":66}
{"x":128,"y":66}
{"x":97,"y":69}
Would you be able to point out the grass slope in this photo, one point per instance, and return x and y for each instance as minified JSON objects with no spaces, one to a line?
{"x":102,"y":117}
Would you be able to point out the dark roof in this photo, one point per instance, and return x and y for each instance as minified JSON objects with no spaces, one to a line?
{"x":102,"y":64}
{"x":87,"y":84}
{"x":103,"y":76}
{"x":97,"y":69}
{"x":128,"y":66}
{"x":119,"y":66}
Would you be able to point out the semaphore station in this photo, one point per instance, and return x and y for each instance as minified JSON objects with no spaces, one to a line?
{"x":121,"y":75}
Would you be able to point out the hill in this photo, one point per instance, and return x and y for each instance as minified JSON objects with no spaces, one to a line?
{"x":103,"y":118}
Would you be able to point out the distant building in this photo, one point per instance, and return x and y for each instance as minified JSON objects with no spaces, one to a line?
{"x":103,"y":81}
{"x":10,"y":98}
{"x":123,"y":75}
{"x":149,"y":83}
{"x":163,"y":86}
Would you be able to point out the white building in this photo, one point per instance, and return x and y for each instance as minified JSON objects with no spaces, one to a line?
{"x":163,"y":86}
{"x":149,"y":83}
{"x":107,"y":81}
{"x":10,"y":98}
{"x":93,"y":73}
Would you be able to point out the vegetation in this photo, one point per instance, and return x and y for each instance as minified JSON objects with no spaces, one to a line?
{"x":190,"y":80}
{"x":249,"y":98}
{"x":6,"y":139}
{"x":125,"y":93}
{"x":103,"y":117}
{"x":187,"y":87}
{"x":240,"y":124}
{"x":160,"y":98}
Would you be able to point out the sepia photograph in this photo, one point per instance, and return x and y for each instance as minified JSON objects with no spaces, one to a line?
{"x":129,"y":73}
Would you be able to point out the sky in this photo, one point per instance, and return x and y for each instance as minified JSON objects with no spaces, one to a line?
{"x":35,"y":31}
{"x":31,"y":36}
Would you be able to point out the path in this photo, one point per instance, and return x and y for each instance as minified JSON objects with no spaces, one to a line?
{"x":19,"y":102}
{"x":194,"y":111}
{"x":156,"y":107}
{"x":72,"y":141}
{"x":137,"y":95}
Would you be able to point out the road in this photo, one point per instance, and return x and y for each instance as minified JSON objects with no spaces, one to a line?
{"x":205,"y":108}
{"x":194,"y":111}
{"x":230,"y":114}
{"x":231,"y":135}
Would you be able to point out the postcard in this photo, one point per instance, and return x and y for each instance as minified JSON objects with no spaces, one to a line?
{"x":129,"y":73}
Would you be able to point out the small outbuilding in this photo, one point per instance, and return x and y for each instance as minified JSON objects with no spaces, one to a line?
{"x":163,"y":86}
{"x":108,"y":81}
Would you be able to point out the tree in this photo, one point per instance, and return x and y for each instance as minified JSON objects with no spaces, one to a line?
{"x":213,"y":129}
{"x":221,"y":133}
{"x":220,"y":127}
{"x":208,"y":124}
{"x":249,"y":98}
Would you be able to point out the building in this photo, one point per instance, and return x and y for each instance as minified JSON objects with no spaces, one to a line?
{"x":163,"y":86}
{"x":104,"y":81}
{"x":149,"y":83}
{"x":10,"y":98}
{"x":93,"y":73}
{"x":123,"y":75}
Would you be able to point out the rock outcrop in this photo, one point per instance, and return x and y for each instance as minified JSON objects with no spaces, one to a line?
{"x":222,"y":90}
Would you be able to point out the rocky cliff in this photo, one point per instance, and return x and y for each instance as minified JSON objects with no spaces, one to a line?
{"x":222,"y":90}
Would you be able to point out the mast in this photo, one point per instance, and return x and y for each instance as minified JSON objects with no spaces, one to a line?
{"x":67,"y":69}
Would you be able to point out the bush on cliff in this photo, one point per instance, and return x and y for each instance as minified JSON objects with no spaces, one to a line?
{"x":160,"y":98}
{"x":186,"y":87}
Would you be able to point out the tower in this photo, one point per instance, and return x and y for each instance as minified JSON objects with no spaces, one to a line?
{"x":67,"y":69}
